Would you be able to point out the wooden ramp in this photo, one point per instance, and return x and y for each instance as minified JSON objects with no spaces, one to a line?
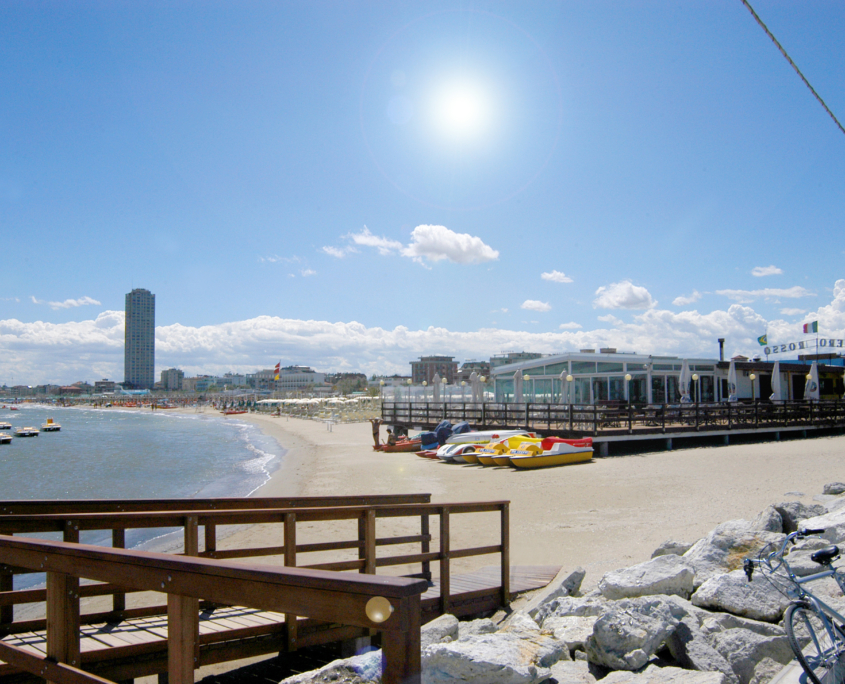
{"x":137,"y":647}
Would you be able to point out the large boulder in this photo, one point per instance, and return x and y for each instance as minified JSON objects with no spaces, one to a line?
{"x":744,"y":649}
{"x":568,"y":605}
{"x":794,"y":512}
{"x":443,"y":627}
{"x":361,"y":669}
{"x":671,"y":546}
{"x":664,"y":675}
{"x":833,"y":524}
{"x":724,"y":548}
{"x":834,"y":488}
{"x":500,"y":658}
{"x":629,"y":632}
{"x":467,"y":630}
{"x":565,"y":584}
{"x":733,"y":593}
{"x":571,"y":629}
{"x":668,"y":574}
{"x":573,"y":672}
{"x":768,"y":520}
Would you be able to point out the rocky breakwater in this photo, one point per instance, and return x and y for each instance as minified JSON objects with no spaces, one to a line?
{"x":688,"y":615}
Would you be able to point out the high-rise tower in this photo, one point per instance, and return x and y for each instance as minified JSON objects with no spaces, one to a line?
{"x":139,"y":347}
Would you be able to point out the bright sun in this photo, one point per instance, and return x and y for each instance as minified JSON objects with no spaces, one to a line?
{"x":461,"y":110}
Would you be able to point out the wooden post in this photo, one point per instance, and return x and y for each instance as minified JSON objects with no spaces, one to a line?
{"x":663,"y":418}
{"x":290,"y":561}
{"x":192,"y":542}
{"x":118,"y":541}
{"x":63,"y":618}
{"x":445,"y":588}
{"x":425,"y":546}
{"x":483,"y":414}
{"x":401,"y":648}
{"x":210,"y":539}
{"x":182,"y":639}
{"x":506,"y":555}
{"x":7,"y":613}
{"x":369,"y":517}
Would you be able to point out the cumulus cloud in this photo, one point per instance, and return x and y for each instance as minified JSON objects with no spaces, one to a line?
{"x":305,"y":272}
{"x":570,"y":326}
{"x":556,"y":277}
{"x":534,"y":305}
{"x":623,"y":295}
{"x":792,"y":312}
{"x":68,"y":303}
{"x":39,"y":352}
{"x":438,"y":242}
{"x":748,"y":296}
{"x":761,"y":271}
{"x":428,"y":243}
{"x":686,"y":301}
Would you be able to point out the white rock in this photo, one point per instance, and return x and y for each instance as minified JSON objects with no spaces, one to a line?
{"x":567,"y":605}
{"x":664,"y":675}
{"x":834,"y":488}
{"x":435,"y":631}
{"x":572,"y":629}
{"x":500,"y":658}
{"x":793,"y":512}
{"x":744,"y":649}
{"x":573,"y":672}
{"x":467,"y":630}
{"x":563,"y":585}
{"x":668,"y":574}
{"x":724,"y":548}
{"x":671,"y":546}
{"x":833,"y":523}
{"x":520,"y":624}
{"x":629,"y":632}
{"x":362,"y":669}
{"x":765,"y":670}
{"x":733,"y":593}
{"x":768,"y":520}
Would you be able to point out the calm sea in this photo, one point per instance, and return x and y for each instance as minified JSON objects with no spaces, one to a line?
{"x":111,"y":454}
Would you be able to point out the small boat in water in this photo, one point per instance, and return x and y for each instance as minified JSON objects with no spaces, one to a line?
{"x":5,"y":426}
{"x":26,"y":432}
{"x":233,"y":412}
{"x":5,"y":439}
{"x":50,"y":426}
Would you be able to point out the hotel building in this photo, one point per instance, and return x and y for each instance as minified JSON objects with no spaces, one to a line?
{"x":139,"y":340}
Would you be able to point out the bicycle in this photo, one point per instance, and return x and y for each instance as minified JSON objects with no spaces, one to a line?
{"x":816,"y":632}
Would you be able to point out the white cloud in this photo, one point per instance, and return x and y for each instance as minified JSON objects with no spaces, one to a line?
{"x":305,"y":272}
{"x":748,"y":296}
{"x":276,"y":259}
{"x":623,"y":295}
{"x":792,"y":312}
{"x":556,"y":277}
{"x":534,"y":305}
{"x":38,"y":352}
{"x":338,"y":252}
{"x":761,"y":271}
{"x":570,"y":326}
{"x":68,"y":303}
{"x":686,"y":301}
{"x":438,"y":242}
{"x":365,"y":238}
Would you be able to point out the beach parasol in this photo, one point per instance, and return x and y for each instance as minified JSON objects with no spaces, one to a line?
{"x":473,"y":386}
{"x":684,"y":381}
{"x":592,"y":391}
{"x":517,"y":387}
{"x":775,"y":396}
{"x":811,"y":387}
{"x":732,"y":382}
{"x":435,"y":388}
{"x":564,"y":389}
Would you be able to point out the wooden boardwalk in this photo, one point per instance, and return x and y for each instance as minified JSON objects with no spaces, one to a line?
{"x":137,"y":646}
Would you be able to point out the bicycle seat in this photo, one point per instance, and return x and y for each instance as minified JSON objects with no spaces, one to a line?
{"x":826,"y":555}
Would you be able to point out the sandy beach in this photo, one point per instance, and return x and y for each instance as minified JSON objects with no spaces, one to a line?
{"x":603,"y":515}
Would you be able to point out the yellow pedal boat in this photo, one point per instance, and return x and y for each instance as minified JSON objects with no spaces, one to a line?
{"x":533,"y":456}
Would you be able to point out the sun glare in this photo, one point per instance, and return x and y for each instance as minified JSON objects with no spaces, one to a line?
{"x":461,"y":110}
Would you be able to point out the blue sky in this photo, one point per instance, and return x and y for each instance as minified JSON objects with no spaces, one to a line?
{"x":351,"y":185}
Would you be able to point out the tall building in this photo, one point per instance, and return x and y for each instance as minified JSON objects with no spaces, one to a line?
{"x":427,"y":366}
{"x":139,"y":348}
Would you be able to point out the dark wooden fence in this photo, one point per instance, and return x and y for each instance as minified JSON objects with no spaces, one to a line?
{"x":570,"y":420}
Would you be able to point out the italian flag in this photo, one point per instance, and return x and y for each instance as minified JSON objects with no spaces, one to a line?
{"x":278,"y":365}
{"x":811,"y":327}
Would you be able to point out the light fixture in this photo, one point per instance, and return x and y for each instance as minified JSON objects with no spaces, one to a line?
{"x":410,"y":381}
{"x":695,"y":377}
{"x":378,"y":609}
{"x":425,"y":383}
{"x":753,"y":377}
{"x":381,"y":382}
{"x":628,"y":377}
{"x":526,"y":377}
{"x":569,"y":378}
{"x":463,"y":383}
{"x":483,"y":379}
{"x":443,"y":380}
{"x":809,"y":376}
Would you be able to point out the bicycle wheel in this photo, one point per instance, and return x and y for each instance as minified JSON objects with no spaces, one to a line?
{"x":818,"y":644}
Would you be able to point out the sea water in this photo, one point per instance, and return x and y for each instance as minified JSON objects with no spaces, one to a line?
{"x":133,"y":454}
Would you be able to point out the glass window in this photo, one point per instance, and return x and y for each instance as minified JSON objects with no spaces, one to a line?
{"x":616,"y":388}
{"x":703,"y":368}
{"x":663,"y":366}
{"x":604,"y":367}
{"x":637,"y":389}
{"x":658,"y":389}
{"x":673,"y":389}
{"x":583,"y":366}
{"x":557,"y":369}
{"x":600,"y":389}
{"x":581,"y":391}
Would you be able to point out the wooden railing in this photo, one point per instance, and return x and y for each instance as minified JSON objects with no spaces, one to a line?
{"x":584,"y":420}
{"x":319,"y":594}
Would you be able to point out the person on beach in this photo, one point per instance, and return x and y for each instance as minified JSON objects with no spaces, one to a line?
{"x":376,"y":423}
{"x":391,"y":438}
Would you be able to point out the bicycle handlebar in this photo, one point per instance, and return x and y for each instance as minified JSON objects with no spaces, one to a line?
{"x":749,"y":563}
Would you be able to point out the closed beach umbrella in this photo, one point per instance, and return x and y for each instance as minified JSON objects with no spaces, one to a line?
{"x":732,"y":382}
{"x":776,"y":382}
{"x":435,"y":388}
{"x":564,"y":389}
{"x":684,"y":381}
{"x":474,"y":386}
{"x":811,"y":387}
{"x":517,"y":387}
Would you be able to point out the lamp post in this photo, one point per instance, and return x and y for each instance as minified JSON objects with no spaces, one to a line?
{"x":525,"y":378}
{"x":425,"y":384}
{"x":627,"y":388}
{"x":443,"y":381}
{"x":482,"y":380}
{"x":695,"y":386}
{"x":569,"y":380}
{"x":381,"y":389}
{"x":753,"y":378}
{"x":410,"y":382}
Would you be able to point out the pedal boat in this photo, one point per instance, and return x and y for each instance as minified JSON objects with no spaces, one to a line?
{"x":5,"y":426}
{"x":560,"y":453}
{"x":486,"y":436}
{"x":5,"y":439}
{"x":26,"y":432}
{"x":486,"y":455}
{"x":50,"y":426}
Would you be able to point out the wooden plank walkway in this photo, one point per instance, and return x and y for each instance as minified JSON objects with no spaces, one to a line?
{"x":111,"y":648}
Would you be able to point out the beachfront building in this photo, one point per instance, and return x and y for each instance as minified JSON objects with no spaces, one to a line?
{"x":139,"y":340}
{"x":104,"y":386}
{"x":172,"y":379}
{"x":296,"y":378}
{"x":508,"y":358}
{"x":608,"y":377}
{"x":425,"y":369}
{"x":480,"y":368}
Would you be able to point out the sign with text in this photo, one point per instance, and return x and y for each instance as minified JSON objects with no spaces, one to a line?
{"x":797,"y":346}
